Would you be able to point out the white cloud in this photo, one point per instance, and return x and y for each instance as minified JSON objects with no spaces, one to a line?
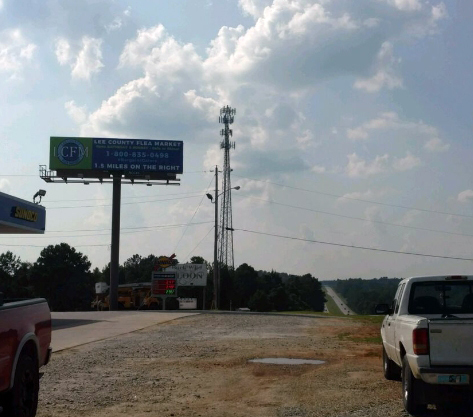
{"x":392,"y":121}
{"x":213,"y":156}
{"x":138,"y":50}
{"x":358,"y":167}
{"x":385,"y":75}
{"x":318,"y":169}
{"x":89,"y":59}
{"x":248,"y":68}
{"x":439,"y":12}
{"x":357,"y":133}
{"x":16,"y":52}
{"x":63,"y":51}
{"x":374,"y":214}
{"x":406,"y":5}
{"x":465,"y":196}
{"x":253,"y":7}
{"x":5,"y":185}
{"x":84,"y":59}
{"x":436,"y":145}
{"x":305,"y":140}
{"x":208,"y":106}
{"x":371,"y":22}
{"x":119,"y":21}
{"x":366,"y":195}
{"x":407,"y":163}
{"x":78,"y":114}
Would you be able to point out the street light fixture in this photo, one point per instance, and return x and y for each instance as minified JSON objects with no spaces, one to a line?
{"x":40,"y":194}
{"x":216,"y":268}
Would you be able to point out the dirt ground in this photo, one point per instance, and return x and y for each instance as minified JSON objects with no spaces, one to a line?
{"x":198,"y":366}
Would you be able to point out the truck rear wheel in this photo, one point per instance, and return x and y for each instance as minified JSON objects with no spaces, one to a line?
{"x":22,"y":400}
{"x":391,"y":370}
{"x":409,"y":391}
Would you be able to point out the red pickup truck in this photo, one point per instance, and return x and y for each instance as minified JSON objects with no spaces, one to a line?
{"x":25,"y":338}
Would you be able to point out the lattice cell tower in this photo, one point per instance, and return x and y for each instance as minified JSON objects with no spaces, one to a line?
{"x":225,"y":256}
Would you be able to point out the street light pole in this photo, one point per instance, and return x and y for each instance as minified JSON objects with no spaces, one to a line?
{"x":216,"y":274}
{"x":216,"y":270}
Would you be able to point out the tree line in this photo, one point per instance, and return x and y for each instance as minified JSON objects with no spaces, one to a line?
{"x":362,"y":295}
{"x":63,"y":276}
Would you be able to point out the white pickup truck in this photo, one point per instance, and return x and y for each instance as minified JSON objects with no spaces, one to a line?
{"x":428,"y":341}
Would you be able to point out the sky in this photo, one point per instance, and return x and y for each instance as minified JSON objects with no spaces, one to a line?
{"x":353,"y":127}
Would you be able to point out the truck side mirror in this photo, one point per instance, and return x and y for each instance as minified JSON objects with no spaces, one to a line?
{"x":382,"y":309}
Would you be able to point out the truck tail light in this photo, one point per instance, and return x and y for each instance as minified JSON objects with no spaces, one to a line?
{"x":420,"y":340}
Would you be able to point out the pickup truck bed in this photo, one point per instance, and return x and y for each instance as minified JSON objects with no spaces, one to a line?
{"x":25,"y":335}
{"x":428,"y":340}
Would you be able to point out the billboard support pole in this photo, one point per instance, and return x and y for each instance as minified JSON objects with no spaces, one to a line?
{"x":115,"y":249}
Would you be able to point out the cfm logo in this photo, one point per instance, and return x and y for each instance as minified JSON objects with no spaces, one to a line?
{"x":71,"y":152}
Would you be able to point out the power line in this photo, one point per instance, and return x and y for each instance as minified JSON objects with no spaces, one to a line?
{"x":356,"y":218}
{"x":127,"y":228}
{"x":198,"y":244}
{"x":195,"y":212}
{"x":123,"y":204}
{"x":355,"y":247}
{"x":140,"y":230}
{"x":358,"y":199}
{"x":42,"y":246}
{"x":123,"y":198}
{"x":35,"y":175}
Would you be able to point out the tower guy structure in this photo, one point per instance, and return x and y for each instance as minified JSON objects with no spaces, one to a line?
{"x":225,"y":255}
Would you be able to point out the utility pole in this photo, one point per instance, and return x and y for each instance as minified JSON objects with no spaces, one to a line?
{"x":115,"y":249}
{"x":216,"y":269}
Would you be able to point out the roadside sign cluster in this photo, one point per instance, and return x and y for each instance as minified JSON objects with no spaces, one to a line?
{"x":165,"y":281}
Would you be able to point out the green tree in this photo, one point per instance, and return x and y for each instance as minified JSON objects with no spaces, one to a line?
{"x":244,"y":286}
{"x":98,"y":276}
{"x":198,"y":260}
{"x":260,"y":302}
{"x":306,"y":293}
{"x":132,"y":269}
{"x":62,"y":275}
{"x":268,"y":281}
{"x":14,"y":282}
{"x":279,"y":298}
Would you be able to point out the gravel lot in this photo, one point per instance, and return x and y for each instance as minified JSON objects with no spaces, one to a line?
{"x":197,"y":366}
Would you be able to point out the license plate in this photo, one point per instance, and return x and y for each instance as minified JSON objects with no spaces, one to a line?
{"x":453,"y":379}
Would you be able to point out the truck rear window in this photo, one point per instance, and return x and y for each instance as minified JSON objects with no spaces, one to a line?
{"x":439,"y":297}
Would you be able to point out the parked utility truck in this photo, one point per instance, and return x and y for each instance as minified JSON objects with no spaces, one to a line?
{"x":428,"y":341}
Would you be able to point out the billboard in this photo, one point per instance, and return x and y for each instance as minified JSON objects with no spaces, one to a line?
{"x":190,"y":275}
{"x":21,"y":216}
{"x":107,"y":155}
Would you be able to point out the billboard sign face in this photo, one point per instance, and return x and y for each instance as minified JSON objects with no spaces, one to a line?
{"x":190,"y":275}
{"x":131,"y":156}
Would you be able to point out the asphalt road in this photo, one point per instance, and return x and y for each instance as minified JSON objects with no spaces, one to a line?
{"x":71,"y":329}
{"x":341,"y":305}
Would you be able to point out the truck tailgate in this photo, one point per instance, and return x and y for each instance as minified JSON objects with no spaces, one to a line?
{"x":451,"y":342}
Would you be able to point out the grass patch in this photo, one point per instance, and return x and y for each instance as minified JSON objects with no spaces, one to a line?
{"x":376,"y":320}
{"x":354,"y":338}
{"x":318,"y":313}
